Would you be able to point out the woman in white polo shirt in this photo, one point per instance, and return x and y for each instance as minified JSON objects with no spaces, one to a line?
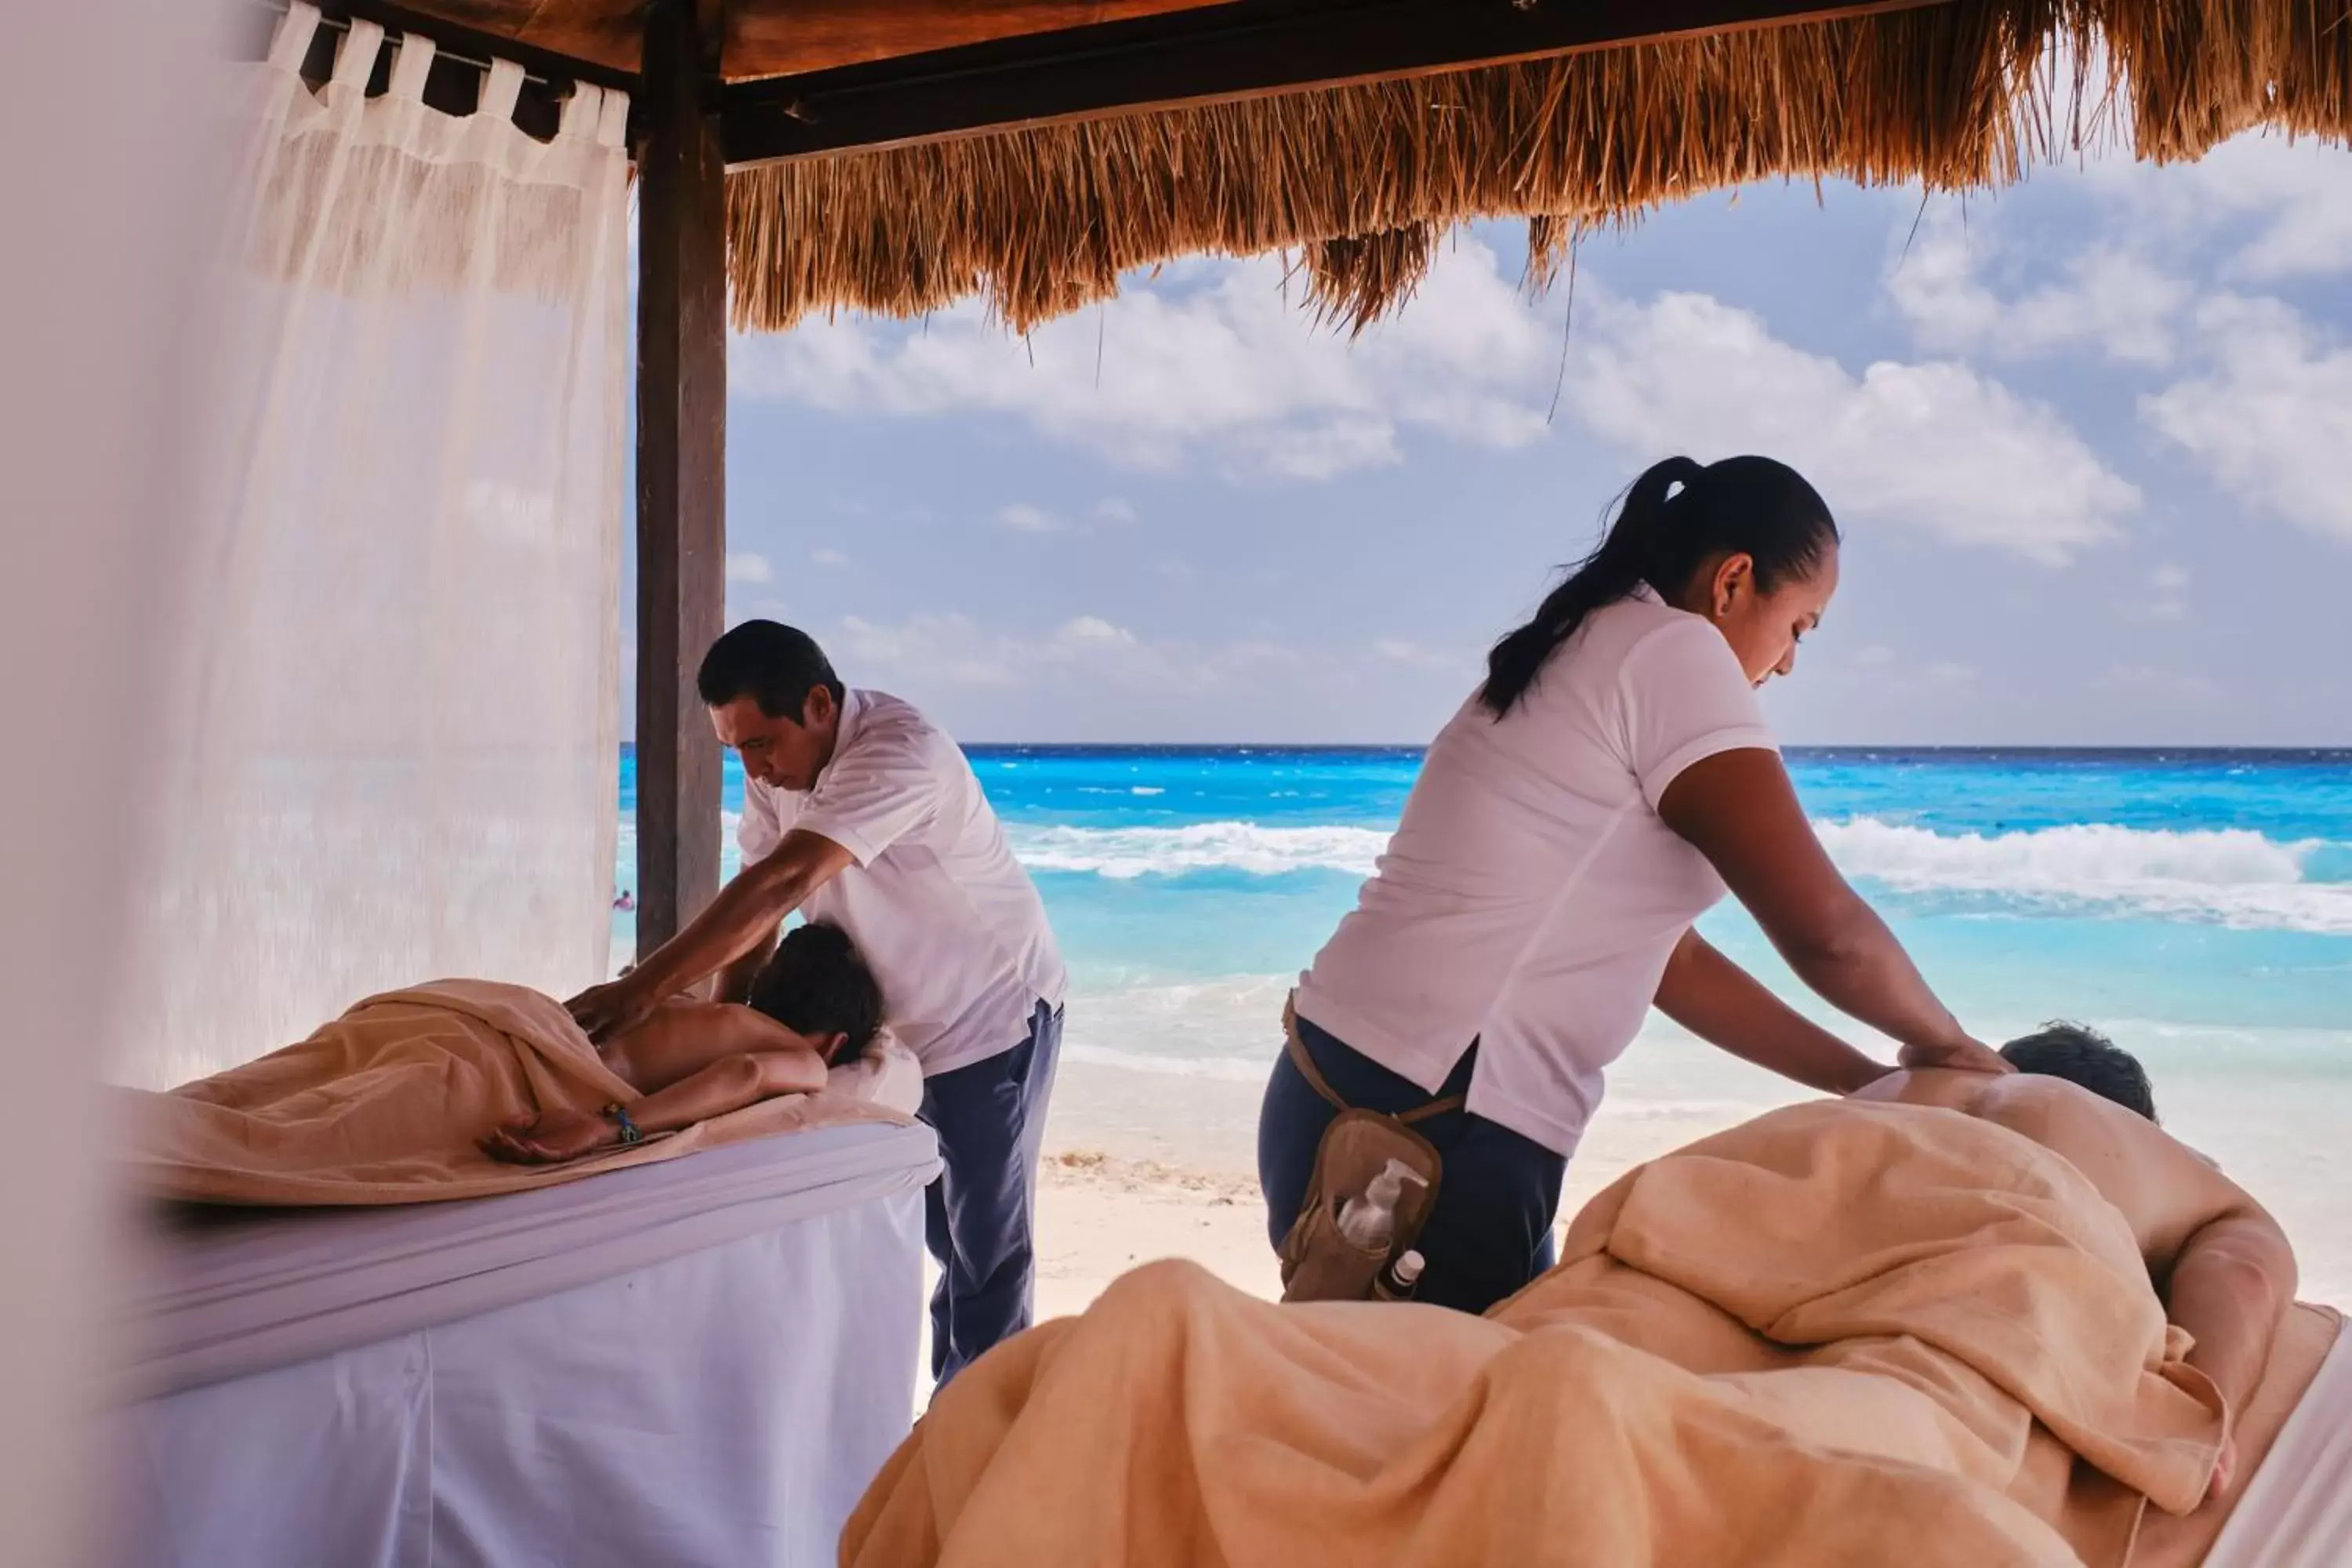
{"x":1608,"y":781}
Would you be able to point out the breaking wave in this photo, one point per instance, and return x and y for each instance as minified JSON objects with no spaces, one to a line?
{"x":2227,"y":875}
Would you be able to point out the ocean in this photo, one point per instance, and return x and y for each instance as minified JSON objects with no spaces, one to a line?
{"x":2195,"y":905}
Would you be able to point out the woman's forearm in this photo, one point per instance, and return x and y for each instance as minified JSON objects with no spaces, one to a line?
{"x":728,"y":1085}
{"x":1738,"y":809}
{"x":1863,"y":972}
{"x":1725,"y":1006}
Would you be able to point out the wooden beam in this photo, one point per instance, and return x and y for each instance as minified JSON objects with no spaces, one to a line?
{"x":461,"y":60}
{"x":477,"y":48}
{"x":1248,"y":49}
{"x":681,"y":468}
{"x":765,"y":38}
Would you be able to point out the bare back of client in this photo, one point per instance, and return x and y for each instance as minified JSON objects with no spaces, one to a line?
{"x":813,"y":1006}
{"x":2220,"y":1263}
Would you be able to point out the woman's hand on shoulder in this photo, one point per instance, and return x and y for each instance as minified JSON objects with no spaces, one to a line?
{"x":1958,"y":1054}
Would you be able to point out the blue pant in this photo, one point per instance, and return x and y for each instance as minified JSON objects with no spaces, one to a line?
{"x":1490,"y":1230}
{"x":977,"y":1217}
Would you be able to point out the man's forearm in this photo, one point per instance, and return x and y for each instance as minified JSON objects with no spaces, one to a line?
{"x":743,"y":916}
{"x":735,"y":980}
{"x":2231,"y":1288}
{"x":1725,"y":1006}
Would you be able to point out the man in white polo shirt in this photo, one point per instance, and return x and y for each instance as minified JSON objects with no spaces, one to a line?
{"x":858,"y":810}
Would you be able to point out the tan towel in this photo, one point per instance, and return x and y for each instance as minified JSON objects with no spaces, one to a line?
{"x":1828,"y":1336}
{"x":2304,"y":1343}
{"x":383,"y":1106}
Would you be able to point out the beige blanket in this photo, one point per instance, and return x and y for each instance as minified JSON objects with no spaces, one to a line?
{"x":383,"y":1106}
{"x":1842,"y":1334}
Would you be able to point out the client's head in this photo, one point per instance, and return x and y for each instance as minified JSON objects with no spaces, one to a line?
{"x":2087,"y":1059}
{"x":817,"y":986}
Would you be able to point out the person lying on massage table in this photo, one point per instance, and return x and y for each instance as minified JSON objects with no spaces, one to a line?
{"x":815,"y":1011}
{"x":2219,"y":1262}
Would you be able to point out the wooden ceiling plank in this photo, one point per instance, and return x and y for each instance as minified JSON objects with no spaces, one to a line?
{"x":1245,"y":48}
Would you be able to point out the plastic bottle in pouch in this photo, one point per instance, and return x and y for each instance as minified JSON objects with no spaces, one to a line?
{"x":1368,"y":1220}
{"x":1397,"y":1280}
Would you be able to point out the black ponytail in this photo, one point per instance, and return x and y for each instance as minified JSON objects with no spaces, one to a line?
{"x":1678,"y":515}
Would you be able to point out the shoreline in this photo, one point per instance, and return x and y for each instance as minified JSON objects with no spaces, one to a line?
{"x":1140,"y":1165}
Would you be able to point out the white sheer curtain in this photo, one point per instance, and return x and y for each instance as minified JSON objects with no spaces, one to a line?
{"x":404,"y":681}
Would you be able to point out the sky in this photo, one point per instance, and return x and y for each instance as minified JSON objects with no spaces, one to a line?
{"x":2089,"y":439}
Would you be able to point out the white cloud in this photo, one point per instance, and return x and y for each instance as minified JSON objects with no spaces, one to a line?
{"x":2285,"y":206}
{"x":2269,"y":417}
{"x":1933,"y":445}
{"x":1419,"y":655}
{"x":749,"y":566}
{"x":1023,"y":518}
{"x":2166,"y":595}
{"x":2110,"y":299}
{"x":1115,"y":511}
{"x":1216,"y":364}
{"x":1093,"y":631}
{"x":829,"y":557}
{"x":955,"y":650}
{"x":1213,"y":361}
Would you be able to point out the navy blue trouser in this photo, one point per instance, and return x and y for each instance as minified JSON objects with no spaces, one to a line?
{"x":977,"y":1217}
{"x":1490,"y":1231}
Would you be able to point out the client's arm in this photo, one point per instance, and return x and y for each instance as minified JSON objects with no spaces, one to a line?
{"x":691,"y":1061}
{"x":2230,"y":1288}
{"x":729,"y":1084}
{"x":1725,"y":1006}
{"x":2220,"y":1263}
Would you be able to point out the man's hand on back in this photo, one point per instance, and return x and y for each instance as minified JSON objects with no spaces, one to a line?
{"x":606,"y":1010}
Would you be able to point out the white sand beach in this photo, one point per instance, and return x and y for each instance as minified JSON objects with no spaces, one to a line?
{"x":1143,"y":1165}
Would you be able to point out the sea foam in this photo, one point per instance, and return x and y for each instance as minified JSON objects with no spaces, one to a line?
{"x":2227,"y":875}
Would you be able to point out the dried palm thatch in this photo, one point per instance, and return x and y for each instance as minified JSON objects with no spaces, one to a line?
{"x":1365,"y":180}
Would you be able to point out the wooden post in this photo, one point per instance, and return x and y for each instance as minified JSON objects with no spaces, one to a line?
{"x":682,"y":465}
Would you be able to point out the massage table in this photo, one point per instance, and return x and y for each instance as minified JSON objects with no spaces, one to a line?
{"x":700,"y":1362}
{"x":2292,"y":1507}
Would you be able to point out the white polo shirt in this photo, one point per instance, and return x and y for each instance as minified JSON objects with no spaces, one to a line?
{"x":945,"y":916}
{"x":1531,"y":894}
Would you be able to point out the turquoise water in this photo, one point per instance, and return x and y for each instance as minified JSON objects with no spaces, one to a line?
{"x":2172,"y":890}
{"x":2197,"y":905}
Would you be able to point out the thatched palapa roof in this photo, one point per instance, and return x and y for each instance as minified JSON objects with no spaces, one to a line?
{"x":1364,"y":179}
{"x":899,"y":155}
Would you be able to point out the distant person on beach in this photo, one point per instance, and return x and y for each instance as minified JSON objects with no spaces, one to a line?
{"x":1606,"y":784}
{"x":627,"y":903}
{"x":859,"y":811}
